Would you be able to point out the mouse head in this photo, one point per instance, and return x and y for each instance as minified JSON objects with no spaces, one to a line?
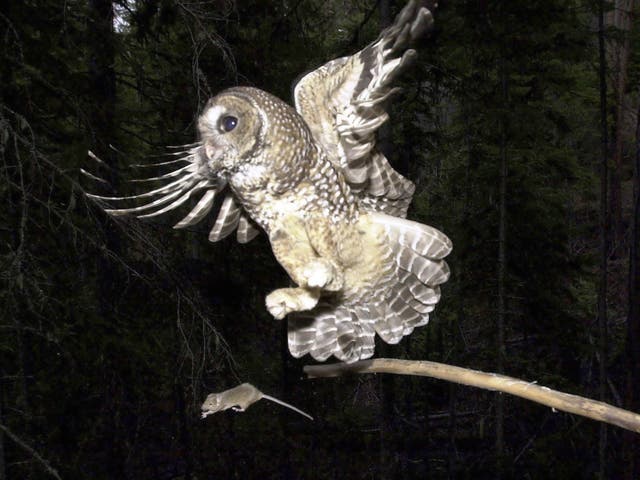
{"x":212,"y":404}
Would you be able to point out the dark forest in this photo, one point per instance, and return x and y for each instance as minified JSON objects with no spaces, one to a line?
{"x":519,"y":125}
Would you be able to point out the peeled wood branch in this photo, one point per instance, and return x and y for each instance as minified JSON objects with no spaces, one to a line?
{"x":489,"y":381}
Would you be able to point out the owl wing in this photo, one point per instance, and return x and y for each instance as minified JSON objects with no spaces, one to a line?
{"x":180,"y":186}
{"x":343,"y":105}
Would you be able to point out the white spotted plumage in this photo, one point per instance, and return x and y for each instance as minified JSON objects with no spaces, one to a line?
{"x":313,"y":179}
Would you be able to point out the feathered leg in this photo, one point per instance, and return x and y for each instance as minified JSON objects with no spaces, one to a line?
{"x":293,"y":249}
{"x":401,"y":265}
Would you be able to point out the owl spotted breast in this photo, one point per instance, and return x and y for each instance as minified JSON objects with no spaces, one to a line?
{"x":333,"y":208}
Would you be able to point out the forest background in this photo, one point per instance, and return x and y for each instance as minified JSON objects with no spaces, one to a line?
{"x":518,"y":125}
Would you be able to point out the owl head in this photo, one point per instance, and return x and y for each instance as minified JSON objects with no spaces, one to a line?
{"x":249,"y":140}
{"x":253,"y":140}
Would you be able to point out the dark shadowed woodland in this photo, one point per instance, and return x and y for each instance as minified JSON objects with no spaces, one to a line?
{"x":519,"y":125}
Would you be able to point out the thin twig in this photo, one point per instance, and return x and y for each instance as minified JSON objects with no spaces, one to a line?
{"x":566,"y":402}
{"x":47,"y":466}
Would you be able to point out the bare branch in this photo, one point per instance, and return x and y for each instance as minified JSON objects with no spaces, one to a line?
{"x":18,"y":441}
{"x":566,"y":402}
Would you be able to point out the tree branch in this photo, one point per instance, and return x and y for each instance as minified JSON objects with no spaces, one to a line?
{"x":489,"y":381}
{"x":46,"y":465}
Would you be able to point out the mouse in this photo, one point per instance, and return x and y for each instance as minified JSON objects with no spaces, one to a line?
{"x":238,"y":399}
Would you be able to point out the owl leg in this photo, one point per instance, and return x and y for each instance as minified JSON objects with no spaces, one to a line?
{"x":320,"y":273}
{"x":283,"y":301}
{"x":306,"y":265}
{"x":292,"y":247}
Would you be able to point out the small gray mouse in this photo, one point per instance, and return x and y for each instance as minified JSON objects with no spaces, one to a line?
{"x":239,"y":399}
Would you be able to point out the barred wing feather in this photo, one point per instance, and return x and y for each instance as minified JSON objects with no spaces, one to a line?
{"x":343,"y":105}
{"x":183,"y":183}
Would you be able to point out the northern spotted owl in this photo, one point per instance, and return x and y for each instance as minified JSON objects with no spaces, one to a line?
{"x":333,"y":208}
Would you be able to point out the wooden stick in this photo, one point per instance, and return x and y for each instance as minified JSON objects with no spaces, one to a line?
{"x":489,"y":381}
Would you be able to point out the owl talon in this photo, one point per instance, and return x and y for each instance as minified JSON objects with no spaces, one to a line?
{"x":278,"y":311}
{"x":283,"y":301}
{"x":321,"y":274}
{"x":318,"y":275}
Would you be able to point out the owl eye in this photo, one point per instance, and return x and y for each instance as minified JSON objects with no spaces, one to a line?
{"x":228,"y":123}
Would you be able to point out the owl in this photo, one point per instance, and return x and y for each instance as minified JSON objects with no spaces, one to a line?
{"x":333,"y":208}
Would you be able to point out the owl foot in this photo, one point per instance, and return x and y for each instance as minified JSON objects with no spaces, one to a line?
{"x":321,"y":274}
{"x":283,"y":301}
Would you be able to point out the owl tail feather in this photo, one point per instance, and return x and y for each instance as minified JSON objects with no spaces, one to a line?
{"x":411,"y":292}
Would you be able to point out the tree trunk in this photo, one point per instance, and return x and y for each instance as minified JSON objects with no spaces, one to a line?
{"x":17,"y":308}
{"x":103,"y":90}
{"x":502,"y":258}
{"x":184,"y":433}
{"x":3,"y":462}
{"x":388,"y":465}
{"x":604,"y":241}
{"x":631,"y":442}
{"x":622,"y":22}
{"x":284,"y":415}
{"x":101,"y":58}
{"x":388,"y":457}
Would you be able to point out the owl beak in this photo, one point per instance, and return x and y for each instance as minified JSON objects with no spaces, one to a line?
{"x":209,"y":150}
{"x":212,"y":159}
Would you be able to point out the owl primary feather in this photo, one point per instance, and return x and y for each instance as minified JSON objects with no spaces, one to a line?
{"x":313,"y":180}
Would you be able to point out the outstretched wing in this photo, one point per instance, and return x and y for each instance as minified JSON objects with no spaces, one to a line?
{"x":178,"y":187}
{"x":343,"y":105}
